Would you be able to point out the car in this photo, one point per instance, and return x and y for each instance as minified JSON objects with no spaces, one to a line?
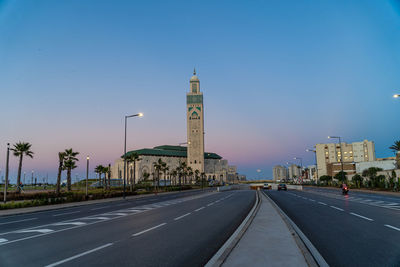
{"x":267,"y":186}
{"x":282,"y":187}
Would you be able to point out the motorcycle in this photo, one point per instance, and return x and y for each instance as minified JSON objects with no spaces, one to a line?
{"x":345,"y":190}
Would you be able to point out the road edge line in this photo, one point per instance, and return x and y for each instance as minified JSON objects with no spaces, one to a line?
{"x":319,"y":260}
{"x":223,"y":253}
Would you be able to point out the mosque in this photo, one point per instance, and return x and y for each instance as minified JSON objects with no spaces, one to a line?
{"x":210,"y":164}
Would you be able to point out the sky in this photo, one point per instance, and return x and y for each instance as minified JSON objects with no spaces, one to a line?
{"x":277,"y":77}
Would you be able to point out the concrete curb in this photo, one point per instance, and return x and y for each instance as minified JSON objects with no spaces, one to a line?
{"x":317,"y":257}
{"x":44,"y":208}
{"x":221,"y":255}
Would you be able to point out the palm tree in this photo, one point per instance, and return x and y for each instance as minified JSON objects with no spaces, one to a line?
{"x":174,"y":173}
{"x":196,"y":175}
{"x":203,"y":174}
{"x":133,"y":157}
{"x":105,"y":170}
{"x":99,"y":171}
{"x":158,"y":167}
{"x":20,"y":149}
{"x":396,"y":146}
{"x":61,"y":158}
{"x":69,"y":165}
{"x":190,"y":173}
{"x":165,"y":170}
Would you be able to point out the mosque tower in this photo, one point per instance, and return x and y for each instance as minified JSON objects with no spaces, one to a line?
{"x":195,"y":125}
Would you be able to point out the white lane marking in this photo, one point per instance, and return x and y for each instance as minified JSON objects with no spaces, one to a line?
{"x":336,"y":208}
{"x":152,"y":228}
{"x":363,"y":217}
{"x":79,"y":255}
{"x":96,"y":218}
{"x":42,"y":231}
{"x":200,"y":209}
{"x":100,"y":208}
{"x":180,"y":217}
{"x":392,"y":227}
{"x":311,"y":200}
{"x":69,"y":223}
{"x":18,"y":221}
{"x":115,"y":214}
{"x":210,"y":204}
{"x":3,"y":240}
{"x":322,"y":203}
{"x":60,"y":214}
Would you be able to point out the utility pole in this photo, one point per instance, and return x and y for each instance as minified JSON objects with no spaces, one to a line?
{"x":6,"y":181}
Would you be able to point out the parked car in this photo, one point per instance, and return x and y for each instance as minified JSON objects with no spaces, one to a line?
{"x":267,"y":186}
{"x":282,"y":187}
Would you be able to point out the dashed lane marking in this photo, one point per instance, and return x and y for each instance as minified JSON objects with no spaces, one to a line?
{"x":69,"y":223}
{"x":322,"y":203}
{"x":360,"y":216}
{"x":392,"y":227}
{"x":334,"y":207}
{"x":180,"y":217}
{"x":311,"y":200}
{"x":79,"y":255}
{"x":3,"y":240}
{"x":210,"y":204}
{"x":152,"y":228}
{"x":42,"y":231}
{"x":66,"y":213}
{"x":99,"y":208}
{"x":24,"y":220}
{"x":200,"y":209}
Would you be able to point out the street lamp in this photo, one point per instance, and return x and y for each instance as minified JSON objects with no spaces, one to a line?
{"x":6,"y":181}
{"x":341,"y":154}
{"x":316,"y":164}
{"x":126,"y":119}
{"x":396,"y":95}
{"x":301,"y":165}
{"x":87,"y":176}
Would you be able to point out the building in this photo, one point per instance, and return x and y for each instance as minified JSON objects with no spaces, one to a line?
{"x":195,"y":125}
{"x":294,"y":171}
{"x":280,"y":173}
{"x":388,"y":164}
{"x":352,"y":153}
{"x":336,"y":167}
{"x":211,"y":164}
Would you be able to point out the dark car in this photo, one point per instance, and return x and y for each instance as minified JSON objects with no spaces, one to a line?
{"x":282,"y":187}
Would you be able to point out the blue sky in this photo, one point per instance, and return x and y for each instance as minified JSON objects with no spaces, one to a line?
{"x":277,"y":76}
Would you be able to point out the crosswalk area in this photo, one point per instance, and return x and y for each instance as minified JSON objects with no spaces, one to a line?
{"x":393,"y":205}
{"x":37,"y":231}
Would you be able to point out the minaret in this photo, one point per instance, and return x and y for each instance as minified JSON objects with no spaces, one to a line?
{"x":195,"y":125}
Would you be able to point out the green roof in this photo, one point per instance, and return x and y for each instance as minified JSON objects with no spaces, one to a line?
{"x":169,"y":151}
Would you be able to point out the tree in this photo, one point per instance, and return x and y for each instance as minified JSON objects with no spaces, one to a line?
{"x":158,"y":167}
{"x":196,"y":175}
{"x":326,"y":178}
{"x":20,"y":149}
{"x":61,"y":158}
{"x":146,"y":176}
{"x":395,"y":147}
{"x":357,"y":180}
{"x":105,"y":170}
{"x":174,"y":173}
{"x":190,"y":173}
{"x":203,"y":175}
{"x":69,"y":165}
{"x":341,"y":176}
{"x":371,"y":173}
{"x":133,"y":158}
{"x":99,"y":170}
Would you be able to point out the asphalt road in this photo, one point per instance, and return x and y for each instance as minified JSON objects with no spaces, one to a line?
{"x":182,"y":229}
{"x":359,"y":229}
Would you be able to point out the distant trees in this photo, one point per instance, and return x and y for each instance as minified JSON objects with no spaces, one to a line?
{"x":375,"y":180}
{"x":341,"y":176}
{"x":70,"y":164}
{"x":61,"y":158}
{"x":326,"y":178}
{"x":357,"y":180}
{"x":19,"y":150}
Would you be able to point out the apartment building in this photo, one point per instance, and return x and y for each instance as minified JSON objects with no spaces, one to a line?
{"x":352,"y":153}
{"x":280,"y":173}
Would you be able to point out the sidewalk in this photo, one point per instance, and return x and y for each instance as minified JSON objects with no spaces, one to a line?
{"x":267,"y":242}
{"x":19,"y":211}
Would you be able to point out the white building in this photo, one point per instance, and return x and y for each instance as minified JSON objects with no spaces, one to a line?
{"x":280,"y":173}
{"x":294,"y":171}
{"x":354,"y":152}
{"x":383,"y":164}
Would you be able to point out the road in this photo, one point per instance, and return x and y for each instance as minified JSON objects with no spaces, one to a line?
{"x":359,"y":229}
{"x":180,"y":229}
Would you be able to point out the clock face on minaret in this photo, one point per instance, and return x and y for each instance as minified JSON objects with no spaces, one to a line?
{"x":195,"y":125}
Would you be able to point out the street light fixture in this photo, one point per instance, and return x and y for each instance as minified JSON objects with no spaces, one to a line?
{"x":316,"y":164}
{"x":126,"y":119}
{"x":396,"y":95}
{"x":87,"y":176}
{"x":341,"y":153}
{"x":301,"y":165}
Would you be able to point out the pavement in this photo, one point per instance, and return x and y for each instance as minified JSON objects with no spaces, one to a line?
{"x":267,"y":242}
{"x":164,"y":230}
{"x":359,"y":229}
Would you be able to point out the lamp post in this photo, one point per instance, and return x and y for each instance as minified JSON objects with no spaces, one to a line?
{"x":32,"y":178}
{"x":316,"y":164}
{"x":396,"y":95}
{"x":87,"y":176}
{"x":341,"y":153}
{"x":301,"y":165}
{"x":6,"y":180}
{"x":126,"y":119}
